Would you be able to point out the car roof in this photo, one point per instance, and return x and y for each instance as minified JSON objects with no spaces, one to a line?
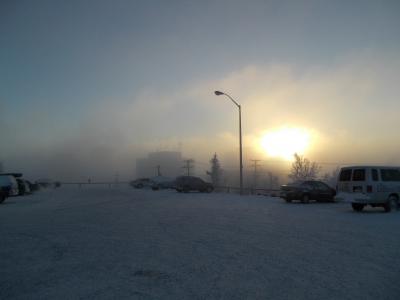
{"x":12,"y":174}
{"x":370,"y":167}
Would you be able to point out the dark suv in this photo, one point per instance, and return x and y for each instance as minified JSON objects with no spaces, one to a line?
{"x":307,"y":190}
{"x":3,"y":194}
{"x":191,"y":183}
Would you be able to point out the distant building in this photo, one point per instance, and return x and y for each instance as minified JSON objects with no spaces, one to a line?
{"x":165,"y":163}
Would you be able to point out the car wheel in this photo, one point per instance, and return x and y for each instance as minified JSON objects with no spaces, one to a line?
{"x":288,"y":200}
{"x":209,"y":189}
{"x":357,"y":206}
{"x":305,"y":199}
{"x":2,"y":198}
{"x":186,"y":189}
{"x":391,"y":204}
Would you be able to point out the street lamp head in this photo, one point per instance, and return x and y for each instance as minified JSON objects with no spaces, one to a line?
{"x":218,"y":93}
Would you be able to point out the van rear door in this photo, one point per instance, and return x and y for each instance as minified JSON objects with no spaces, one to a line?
{"x":344,"y":180}
{"x":358,"y":178}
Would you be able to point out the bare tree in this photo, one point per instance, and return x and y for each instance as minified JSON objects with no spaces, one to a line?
{"x":303,"y":169}
{"x":331,"y":178}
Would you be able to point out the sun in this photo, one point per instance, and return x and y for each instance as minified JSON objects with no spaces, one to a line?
{"x":285,"y":142}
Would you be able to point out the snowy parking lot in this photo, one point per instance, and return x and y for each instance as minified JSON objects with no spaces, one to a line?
{"x":121,"y":243}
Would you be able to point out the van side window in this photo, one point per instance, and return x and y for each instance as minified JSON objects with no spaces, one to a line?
{"x":345,"y":175}
{"x":359,"y":175}
{"x":374,"y":174}
{"x":390,"y":175}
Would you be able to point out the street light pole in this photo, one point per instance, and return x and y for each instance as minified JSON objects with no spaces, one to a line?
{"x":218,"y":93}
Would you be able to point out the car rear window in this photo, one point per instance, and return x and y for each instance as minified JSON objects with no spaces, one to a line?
{"x":359,"y":175}
{"x":390,"y":174}
{"x":375,"y":175}
{"x":307,"y":184}
{"x":345,"y":175}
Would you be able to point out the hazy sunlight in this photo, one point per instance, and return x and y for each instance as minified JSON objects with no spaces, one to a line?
{"x":284,"y":142}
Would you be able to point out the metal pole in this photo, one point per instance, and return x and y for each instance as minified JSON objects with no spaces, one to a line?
{"x":218,"y":93}
{"x":240,"y":145}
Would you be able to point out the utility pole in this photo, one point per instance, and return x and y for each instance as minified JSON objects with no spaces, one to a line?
{"x":188,"y":165}
{"x":255,"y":166}
{"x":158,"y":170}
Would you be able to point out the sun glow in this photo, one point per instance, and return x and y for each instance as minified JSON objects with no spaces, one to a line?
{"x":285,"y":142}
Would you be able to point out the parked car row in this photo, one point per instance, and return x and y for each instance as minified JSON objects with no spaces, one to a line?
{"x":376,"y":186}
{"x":13,"y":184}
{"x":180,"y":184}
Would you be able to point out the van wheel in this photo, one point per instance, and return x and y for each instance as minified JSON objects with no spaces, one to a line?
{"x":391,"y":204}
{"x":186,"y":189}
{"x":357,"y":206}
{"x":305,"y":199}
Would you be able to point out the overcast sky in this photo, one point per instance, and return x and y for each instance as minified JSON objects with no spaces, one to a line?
{"x":91,"y":85}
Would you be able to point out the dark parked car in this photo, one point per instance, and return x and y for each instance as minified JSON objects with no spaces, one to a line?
{"x":23,"y":187}
{"x":9,"y":184}
{"x":46,"y":183}
{"x":141,"y":183}
{"x":33,"y":186}
{"x":3,"y":194}
{"x":191,"y":183}
{"x":161,"y":182}
{"x":307,"y":190}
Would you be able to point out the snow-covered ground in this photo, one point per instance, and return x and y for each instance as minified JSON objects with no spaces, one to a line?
{"x":119,"y":243}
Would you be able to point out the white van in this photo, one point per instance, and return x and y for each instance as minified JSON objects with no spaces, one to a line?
{"x":9,"y":184}
{"x":371,"y":185}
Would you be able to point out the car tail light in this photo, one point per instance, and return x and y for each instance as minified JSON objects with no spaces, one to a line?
{"x":369,"y":188}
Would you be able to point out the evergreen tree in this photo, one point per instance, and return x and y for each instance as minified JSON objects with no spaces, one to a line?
{"x":215,"y":172}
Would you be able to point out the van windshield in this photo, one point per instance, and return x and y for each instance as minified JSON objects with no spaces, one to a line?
{"x":390,"y":174}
